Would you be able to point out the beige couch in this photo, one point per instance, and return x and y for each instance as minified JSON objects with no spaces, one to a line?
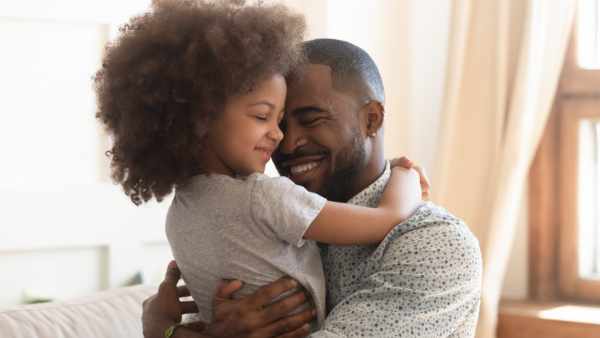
{"x":109,"y":314}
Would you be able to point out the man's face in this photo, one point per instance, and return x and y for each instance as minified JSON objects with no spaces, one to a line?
{"x":322,"y":148}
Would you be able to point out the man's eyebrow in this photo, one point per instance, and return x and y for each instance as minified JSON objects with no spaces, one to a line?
{"x":307,"y":109}
{"x":272,"y":106}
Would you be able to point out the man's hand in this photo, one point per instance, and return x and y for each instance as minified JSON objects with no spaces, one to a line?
{"x":256,"y":315}
{"x":165,"y":308}
{"x":404,"y":162}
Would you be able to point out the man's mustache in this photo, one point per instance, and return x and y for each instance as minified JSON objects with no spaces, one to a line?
{"x":307,"y":150}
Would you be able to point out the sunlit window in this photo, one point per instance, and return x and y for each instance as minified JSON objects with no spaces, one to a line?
{"x":589,"y":198}
{"x":588,"y":34}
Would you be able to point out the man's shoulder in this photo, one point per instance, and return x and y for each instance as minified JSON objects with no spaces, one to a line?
{"x":430,"y":231}
{"x":429,"y":215}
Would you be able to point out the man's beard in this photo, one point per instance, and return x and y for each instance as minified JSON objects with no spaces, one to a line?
{"x":349,"y":164}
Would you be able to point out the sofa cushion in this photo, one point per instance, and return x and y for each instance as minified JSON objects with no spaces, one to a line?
{"x":109,"y":314}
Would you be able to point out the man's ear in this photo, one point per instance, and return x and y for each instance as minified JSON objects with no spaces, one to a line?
{"x":373,"y":114}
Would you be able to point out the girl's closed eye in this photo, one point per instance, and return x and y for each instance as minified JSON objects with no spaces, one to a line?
{"x":261,"y":116}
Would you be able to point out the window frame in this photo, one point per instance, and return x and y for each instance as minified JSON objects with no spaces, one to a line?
{"x":553,"y":228}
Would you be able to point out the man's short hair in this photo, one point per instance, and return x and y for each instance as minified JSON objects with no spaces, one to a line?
{"x":352,"y":68}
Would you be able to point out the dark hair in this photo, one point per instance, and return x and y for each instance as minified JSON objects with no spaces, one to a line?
{"x":171,"y":70}
{"x":351,"y":66}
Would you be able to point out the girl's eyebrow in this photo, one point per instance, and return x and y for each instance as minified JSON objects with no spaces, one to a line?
{"x":272,"y":106}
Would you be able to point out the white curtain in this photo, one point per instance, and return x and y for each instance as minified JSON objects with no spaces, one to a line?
{"x":505,"y":59}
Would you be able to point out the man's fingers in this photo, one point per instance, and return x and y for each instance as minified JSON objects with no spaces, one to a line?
{"x":196,"y":326}
{"x":252,"y":308}
{"x":282,"y":307}
{"x":173,"y":274}
{"x":189,"y":307}
{"x":265,"y":294}
{"x":223,"y":303}
{"x":226,"y":289}
{"x":183,"y":291}
{"x":298,"y":333}
{"x":293,"y":326}
{"x":224,"y":329}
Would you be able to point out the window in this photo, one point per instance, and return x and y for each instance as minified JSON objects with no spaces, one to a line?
{"x":565,"y":177}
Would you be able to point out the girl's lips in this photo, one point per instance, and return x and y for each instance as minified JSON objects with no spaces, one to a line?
{"x":265,"y":152}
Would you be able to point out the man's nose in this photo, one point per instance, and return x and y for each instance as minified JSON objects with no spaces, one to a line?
{"x":290,"y":141}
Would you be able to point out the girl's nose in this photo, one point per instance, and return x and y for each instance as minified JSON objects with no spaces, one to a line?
{"x":276,"y":134}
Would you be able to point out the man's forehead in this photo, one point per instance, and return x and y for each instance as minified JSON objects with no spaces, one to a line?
{"x":313,"y":85}
{"x":312,"y":77}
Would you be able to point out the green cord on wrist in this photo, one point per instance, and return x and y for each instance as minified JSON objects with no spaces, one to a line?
{"x":170,"y":331}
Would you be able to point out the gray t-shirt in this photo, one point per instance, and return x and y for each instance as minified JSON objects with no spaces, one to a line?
{"x":249,"y":229}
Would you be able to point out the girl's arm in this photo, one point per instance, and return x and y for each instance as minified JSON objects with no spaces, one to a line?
{"x":346,"y":224}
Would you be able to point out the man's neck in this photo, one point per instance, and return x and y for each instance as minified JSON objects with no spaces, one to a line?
{"x":369,"y":174}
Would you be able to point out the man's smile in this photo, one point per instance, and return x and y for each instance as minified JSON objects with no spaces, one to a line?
{"x":302,"y":169}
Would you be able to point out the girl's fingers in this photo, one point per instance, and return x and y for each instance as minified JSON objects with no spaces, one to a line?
{"x":424,"y":180}
{"x":403,"y":162}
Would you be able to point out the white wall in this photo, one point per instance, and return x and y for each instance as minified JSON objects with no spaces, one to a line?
{"x":77,"y":234}
{"x":65,"y":230}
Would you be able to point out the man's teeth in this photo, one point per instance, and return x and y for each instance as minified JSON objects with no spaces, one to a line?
{"x":300,"y":169}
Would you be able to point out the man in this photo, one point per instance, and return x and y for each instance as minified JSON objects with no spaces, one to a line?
{"x":422,"y":280}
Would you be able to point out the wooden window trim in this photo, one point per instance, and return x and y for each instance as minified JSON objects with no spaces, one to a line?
{"x":519,"y":319}
{"x":552,"y":204}
{"x":572,"y":286}
{"x":553,"y":190}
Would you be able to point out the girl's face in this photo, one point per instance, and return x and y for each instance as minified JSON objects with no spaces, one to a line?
{"x":241,"y":140}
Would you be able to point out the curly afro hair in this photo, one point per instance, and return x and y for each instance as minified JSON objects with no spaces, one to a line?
{"x":171,"y":70}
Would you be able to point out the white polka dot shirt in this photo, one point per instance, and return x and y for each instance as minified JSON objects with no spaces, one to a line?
{"x":422,"y":280}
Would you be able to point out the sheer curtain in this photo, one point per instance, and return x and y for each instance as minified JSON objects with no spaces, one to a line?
{"x":505,"y":59}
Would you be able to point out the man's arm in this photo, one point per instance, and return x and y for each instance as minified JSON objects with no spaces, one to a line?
{"x":426,"y":284}
{"x":255,"y":316}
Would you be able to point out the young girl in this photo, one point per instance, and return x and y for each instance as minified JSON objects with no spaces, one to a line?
{"x":193,"y":93}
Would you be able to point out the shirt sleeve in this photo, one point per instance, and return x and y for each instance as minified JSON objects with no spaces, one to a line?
{"x":418,"y":290}
{"x":286,"y":208}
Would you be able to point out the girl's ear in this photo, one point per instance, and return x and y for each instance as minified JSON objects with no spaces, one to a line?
{"x":201,"y":126}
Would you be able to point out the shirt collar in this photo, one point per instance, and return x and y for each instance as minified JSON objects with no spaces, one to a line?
{"x":371,"y":195}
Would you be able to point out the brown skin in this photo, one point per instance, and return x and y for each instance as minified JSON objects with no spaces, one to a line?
{"x":165,"y":308}
{"x":322,"y":123}
{"x":331,"y":126}
{"x":242,"y":138}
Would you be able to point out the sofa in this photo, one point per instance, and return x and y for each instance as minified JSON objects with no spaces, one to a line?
{"x":114,"y":313}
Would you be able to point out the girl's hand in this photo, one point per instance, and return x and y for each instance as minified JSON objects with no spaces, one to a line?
{"x":403,"y":193}
{"x":404,"y":162}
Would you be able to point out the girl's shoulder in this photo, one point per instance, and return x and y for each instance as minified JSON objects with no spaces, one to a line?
{"x":253,"y":183}
{"x":265,"y":182}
